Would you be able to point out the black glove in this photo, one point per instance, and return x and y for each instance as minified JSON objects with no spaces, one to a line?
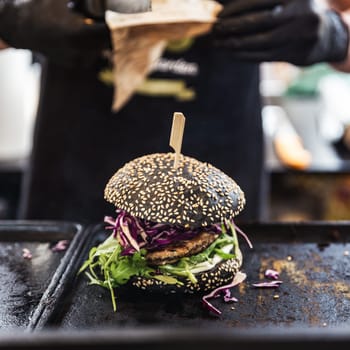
{"x":51,"y":28}
{"x":300,"y":32}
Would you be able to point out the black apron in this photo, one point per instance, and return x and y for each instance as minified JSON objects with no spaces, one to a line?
{"x":79,"y":142}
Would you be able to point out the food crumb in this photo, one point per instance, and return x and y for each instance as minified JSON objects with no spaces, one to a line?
{"x":26,"y":253}
{"x":233,"y":308}
{"x":88,"y":21}
{"x":276,"y":296}
{"x":60,"y":246}
{"x":289,"y":258}
{"x":270,"y":273}
{"x":324,"y":324}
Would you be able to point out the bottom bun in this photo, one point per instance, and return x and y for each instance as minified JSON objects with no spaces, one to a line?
{"x":223,"y":273}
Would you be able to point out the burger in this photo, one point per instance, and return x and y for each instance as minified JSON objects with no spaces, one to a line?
{"x":173,"y":231}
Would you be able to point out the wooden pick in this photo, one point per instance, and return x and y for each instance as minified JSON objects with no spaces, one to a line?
{"x":176,"y":135}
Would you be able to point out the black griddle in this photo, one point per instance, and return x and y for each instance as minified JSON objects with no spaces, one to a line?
{"x":314,"y":264}
{"x":24,"y":283}
{"x":310,"y":308}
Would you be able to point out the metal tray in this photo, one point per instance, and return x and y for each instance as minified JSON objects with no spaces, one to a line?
{"x":26,"y":283}
{"x":313,"y":261}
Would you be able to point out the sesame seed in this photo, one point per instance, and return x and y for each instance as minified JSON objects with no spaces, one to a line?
{"x":149,"y":187}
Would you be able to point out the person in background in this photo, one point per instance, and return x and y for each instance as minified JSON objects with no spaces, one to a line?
{"x":79,"y":142}
{"x":296,"y":31}
{"x":3,"y":45}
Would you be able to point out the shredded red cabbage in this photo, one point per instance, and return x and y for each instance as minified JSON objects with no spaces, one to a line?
{"x":26,"y":253}
{"x":228,"y":297}
{"x":269,"y":273}
{"x":60,"y":246}
{"x":239,"y":278}
{"x":270,"y":284}
{"x":243,"y":235}
{"x":134,"y":234}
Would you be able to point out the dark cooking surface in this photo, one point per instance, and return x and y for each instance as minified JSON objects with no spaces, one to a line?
{"x":23,"y":281}
{"x":312,"y":258}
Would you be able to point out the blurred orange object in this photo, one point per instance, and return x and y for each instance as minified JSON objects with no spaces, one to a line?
{"x":3,"y":45}
{"x":290,"y":151}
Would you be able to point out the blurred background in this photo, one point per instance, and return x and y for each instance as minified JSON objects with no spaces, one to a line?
{"x":306,"y":118}
{"x":19,"y":93}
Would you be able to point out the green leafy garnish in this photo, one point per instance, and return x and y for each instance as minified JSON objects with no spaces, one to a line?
{"x":107,"y":267}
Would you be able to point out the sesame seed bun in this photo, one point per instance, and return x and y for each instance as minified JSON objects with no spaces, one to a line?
{"x":223,"y":273}
{"x":194,"y":194}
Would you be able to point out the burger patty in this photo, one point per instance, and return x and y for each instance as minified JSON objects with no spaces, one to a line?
{"x":175,"y":251}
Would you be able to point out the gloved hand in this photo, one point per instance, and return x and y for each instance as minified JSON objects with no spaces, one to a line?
{"x":51,"y":28}
{"x":300,"y":32}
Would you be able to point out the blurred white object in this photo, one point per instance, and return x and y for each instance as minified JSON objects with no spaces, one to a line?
{"x":275,"y":78}
{"x":19,"y":93}
{"x":335,"y":112}
{"x":275,"y":120}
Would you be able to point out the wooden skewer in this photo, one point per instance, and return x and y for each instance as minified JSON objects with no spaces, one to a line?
{"x":176,"y":135}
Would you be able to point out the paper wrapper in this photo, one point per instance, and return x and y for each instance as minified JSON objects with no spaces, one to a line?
{"x":139,"y":39}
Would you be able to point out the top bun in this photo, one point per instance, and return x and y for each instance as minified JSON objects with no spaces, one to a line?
{"x":192,"y":195}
